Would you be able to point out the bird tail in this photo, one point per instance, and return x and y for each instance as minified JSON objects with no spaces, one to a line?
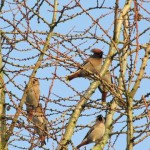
{"x":103,"y":88}
{"x":67,"y":78}
{"x":73,"y":75}
{"x":104,"y":95}
{"x":82,"y":143}
{"x":42,"y":140}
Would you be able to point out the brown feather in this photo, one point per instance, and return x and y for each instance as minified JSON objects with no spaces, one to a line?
{"x":96,"y":50}
{"x":96,"y":132}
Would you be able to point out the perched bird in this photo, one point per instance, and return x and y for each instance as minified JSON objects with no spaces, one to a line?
{"x":96,"y":132}
{"x":93,"y":64}
{"x":33,"y":97}
{"x":40,"y":124}
{"x":103,"y":88}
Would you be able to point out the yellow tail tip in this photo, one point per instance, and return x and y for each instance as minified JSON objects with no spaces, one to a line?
{"x":67,"y":78}
{"x":104,"y":103}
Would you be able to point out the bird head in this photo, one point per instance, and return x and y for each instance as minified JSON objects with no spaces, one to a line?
{"x":34,"y":81}
{"x":100,"y":118}
{"x":97,"y":52}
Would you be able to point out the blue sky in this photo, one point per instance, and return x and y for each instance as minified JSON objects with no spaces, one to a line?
{"x":60,"y":89}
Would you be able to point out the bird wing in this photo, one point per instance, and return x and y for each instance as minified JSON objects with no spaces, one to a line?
{"x":85,"y":62}
{"x":89,"y":132}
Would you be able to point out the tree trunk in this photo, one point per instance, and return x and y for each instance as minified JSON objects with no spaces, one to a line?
{"x":2,"y":101}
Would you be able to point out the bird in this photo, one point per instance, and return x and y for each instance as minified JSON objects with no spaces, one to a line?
{"x":40,"y":124}
{"x":103,"y":88}
{"x":96,"y":132}
{"x":33,"y":97}
{"x":93,"y":64}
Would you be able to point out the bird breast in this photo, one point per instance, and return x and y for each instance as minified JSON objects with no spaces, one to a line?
{"x":33,"y":96}
{"x":40,"y":125}
{"x":38,"y":120}
{"x":97,"y":133}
